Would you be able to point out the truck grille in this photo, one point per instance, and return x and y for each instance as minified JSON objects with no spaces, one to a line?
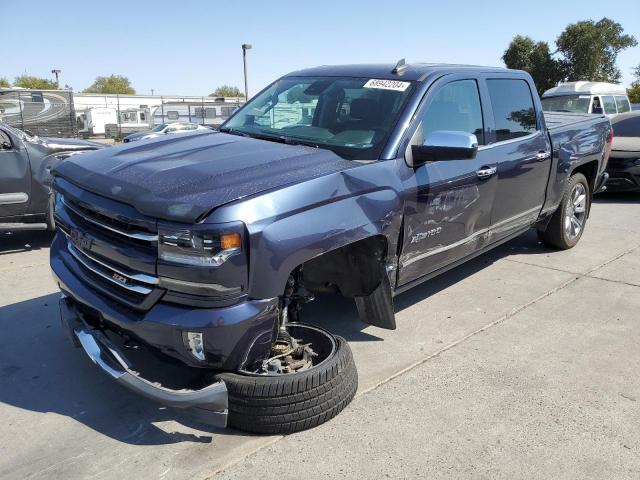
{"x":111,"y":245}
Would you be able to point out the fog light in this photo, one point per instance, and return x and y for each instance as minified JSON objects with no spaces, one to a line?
{"x":195,"y":344}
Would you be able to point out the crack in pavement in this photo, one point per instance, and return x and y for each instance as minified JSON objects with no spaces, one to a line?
{"x":588,"y":273}
{"x":444,"y":349}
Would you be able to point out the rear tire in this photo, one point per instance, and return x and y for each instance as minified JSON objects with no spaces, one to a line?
{"x":567,"y":223}
{"x":288,"y":403}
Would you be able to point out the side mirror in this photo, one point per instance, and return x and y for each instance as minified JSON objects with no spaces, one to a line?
{"x":5,"y":146}
{"x":445,"y":145}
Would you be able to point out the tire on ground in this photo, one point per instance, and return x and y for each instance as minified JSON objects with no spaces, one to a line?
{"x":554,"y":236}
{"x":289,"y":403}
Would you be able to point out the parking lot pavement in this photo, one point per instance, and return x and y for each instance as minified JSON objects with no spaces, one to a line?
{"x":519,"y":364}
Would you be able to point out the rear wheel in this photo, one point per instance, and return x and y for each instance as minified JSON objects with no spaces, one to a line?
{"x":568,"y":222}
{"x":295,"y":389}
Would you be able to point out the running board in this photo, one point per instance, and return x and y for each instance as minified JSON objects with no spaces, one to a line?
{"x":14,"y":227}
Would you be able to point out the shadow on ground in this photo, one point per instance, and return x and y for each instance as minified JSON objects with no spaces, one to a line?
{"x":617,"y":197}
{"x":41,"y":371}
{"x":15,"y":242}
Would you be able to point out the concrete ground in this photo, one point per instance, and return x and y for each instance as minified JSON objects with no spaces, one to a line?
{"x":522,"y":363}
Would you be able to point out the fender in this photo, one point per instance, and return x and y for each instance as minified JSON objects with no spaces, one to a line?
{"x":292,"y":225}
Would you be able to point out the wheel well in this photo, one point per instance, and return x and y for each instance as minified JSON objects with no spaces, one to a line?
{"x":352,"y":271}
{"x":589,"y":170}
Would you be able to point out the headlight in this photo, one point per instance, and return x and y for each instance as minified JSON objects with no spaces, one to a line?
{"x":197,"y":247}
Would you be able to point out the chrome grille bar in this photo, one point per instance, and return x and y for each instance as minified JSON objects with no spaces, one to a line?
{"x":94,"y":267}
{"x":149,"y":237}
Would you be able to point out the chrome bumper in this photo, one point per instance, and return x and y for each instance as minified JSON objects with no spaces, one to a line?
{"x":212,"y":399}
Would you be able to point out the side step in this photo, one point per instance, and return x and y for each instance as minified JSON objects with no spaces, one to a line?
{"x":14,"y":227}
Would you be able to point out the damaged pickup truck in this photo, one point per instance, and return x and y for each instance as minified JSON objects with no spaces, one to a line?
{"x":201,"y":250}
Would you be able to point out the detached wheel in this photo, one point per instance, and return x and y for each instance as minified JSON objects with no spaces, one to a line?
{"x":273,"y":402}
{"x":567,"y":223}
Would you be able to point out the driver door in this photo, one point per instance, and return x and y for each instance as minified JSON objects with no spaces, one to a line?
{"x":447,"y":208}
{"x":15,"y":176}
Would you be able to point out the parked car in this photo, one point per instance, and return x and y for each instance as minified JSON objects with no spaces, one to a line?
{"x":25,"y":181}
{"x":164,"y":129}
{"x":624,"y":163}
{"x":587,"y":97}
{"x":204,"y":250}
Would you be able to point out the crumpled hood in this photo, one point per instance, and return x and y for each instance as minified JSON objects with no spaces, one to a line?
{"x":183,"y":177}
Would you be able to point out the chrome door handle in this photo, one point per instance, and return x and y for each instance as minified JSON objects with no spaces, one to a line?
{"x":540,"y":156}
{"x":486,"y":172}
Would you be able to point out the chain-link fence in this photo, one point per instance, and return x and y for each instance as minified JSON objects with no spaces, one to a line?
{"x":48,"y":113}
{"x":61,"y":113}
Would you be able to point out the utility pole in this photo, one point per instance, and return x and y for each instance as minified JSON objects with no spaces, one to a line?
{"x":56,"y":72}
{"x":245,"y":47}
{"x":152,"y":91}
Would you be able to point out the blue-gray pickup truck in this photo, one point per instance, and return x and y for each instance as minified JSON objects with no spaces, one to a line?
{"x":200,"y":251}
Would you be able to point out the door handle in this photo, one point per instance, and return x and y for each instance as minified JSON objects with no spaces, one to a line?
{"x":540,"y":156}
{"x":486,"y":172}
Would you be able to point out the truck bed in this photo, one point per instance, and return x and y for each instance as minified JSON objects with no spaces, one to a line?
{"x":558,"y":120}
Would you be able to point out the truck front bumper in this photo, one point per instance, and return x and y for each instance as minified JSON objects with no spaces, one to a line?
{"x":102,"y":352}
{"x":234,"y":337}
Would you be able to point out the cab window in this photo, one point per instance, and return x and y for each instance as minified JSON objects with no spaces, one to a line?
{"x":5,"y":141}
{"x":513,"y":110}
{"x":455,"y":107}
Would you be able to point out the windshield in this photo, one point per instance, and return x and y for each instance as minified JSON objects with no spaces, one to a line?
{"x":351,"y":116}
{"x":159,"y":128}
{"x":567,"y":103}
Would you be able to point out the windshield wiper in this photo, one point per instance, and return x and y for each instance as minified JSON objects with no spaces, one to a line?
{"x":233,"y":131}
{"x":269,"y":138}
{"x":287,"y":140}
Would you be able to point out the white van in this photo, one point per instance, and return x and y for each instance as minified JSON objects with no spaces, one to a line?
{"x":587,"y":97}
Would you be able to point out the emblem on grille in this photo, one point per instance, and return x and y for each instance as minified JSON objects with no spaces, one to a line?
{"x":81,"y":240}
{"x":119,"y":278}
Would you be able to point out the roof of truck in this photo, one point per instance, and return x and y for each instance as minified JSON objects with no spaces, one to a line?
{"x":587,"y":88}
{"x":409,"y":71}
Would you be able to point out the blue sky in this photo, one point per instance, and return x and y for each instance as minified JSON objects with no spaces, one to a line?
{"x":190,"y":47}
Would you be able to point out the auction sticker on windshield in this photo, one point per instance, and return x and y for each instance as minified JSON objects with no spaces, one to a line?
{"x":387,"y":84}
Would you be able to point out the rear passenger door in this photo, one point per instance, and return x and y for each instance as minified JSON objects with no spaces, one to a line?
{"x":520,"y":147}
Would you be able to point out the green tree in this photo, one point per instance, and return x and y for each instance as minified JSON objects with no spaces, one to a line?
{"x":4,"y":83}
{"x":28,"y":81}
{"x":634,"y":90}
{"x":590,"y":50}
{"x":524,"y":53}
{"x":111,"y":84}
{"x":227,"y":91}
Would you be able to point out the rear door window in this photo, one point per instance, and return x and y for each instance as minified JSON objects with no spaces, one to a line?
{"x":609,"y":104}
{"x":513,"y":110}
{"x":623,"y":104}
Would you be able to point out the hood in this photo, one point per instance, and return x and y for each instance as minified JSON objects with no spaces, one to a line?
{"x":59,"y":144}
{"x":183,"y":177}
